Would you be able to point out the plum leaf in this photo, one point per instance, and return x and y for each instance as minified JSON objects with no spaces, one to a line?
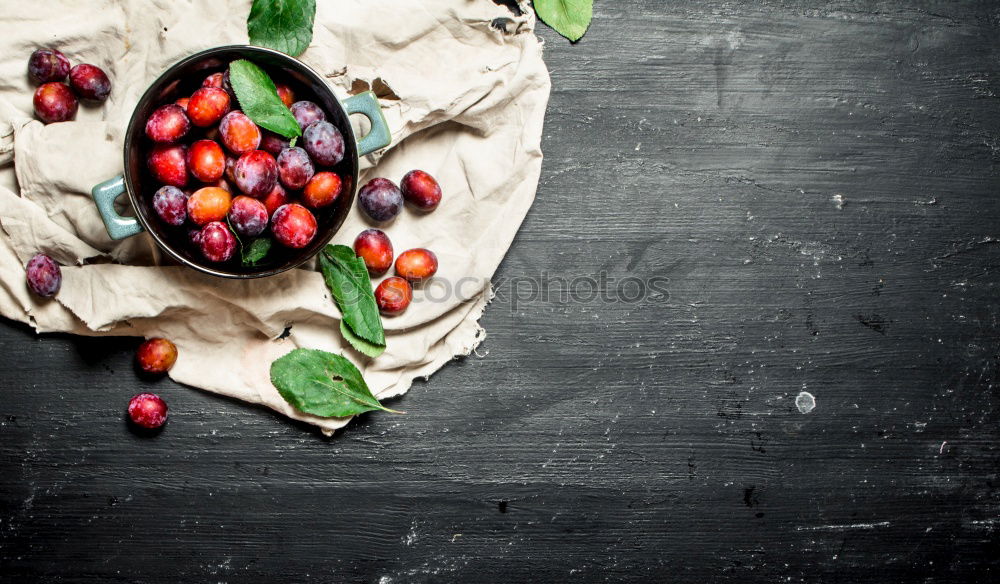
{"x":253,"y":253}
{"x":360,"y":345}
{"x":569,"y":18}
{"x":283,"y":25}
{"x":259,"y":99}
{"x":347,"y":277}
{"x":323,"y":384}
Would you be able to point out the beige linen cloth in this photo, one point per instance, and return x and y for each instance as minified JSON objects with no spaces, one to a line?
{"x":463,"y":87}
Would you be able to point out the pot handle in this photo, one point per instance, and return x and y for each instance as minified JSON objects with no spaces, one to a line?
{"x":367,"y":105}
{"x":105,"y":195}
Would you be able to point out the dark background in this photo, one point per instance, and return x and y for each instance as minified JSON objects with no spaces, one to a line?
{"x":705,"y":143}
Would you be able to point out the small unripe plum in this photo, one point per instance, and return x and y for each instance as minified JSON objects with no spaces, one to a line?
{"x":206,"y":161}
{"x":239,"y":134}
{"x":416,"y":265}
{"x":227,"y":85}
{"x":213,"y":80}
{"x":224,"y":185}
{"x":272,"y":143}
{"x":293,"y":226}
{"x":256,"y":173}
{"x":295,"y":168}
{"x":194,"y":236}
{"x":380,"y":199}
{"x":55,"y":102}
{"x":207,"y":106}
{"x":373,"y":246}
{"x":286,"y":94}
{"x":167,"y":124}
{"x":230,"y":168}
{"x":156,"y":355}
{"x":324,"y":142}
{"x":170,"y":203}
{"x":168,"y":163}
{"x":90,"y":82}
{"x":248,"y":216}
{"x":218,"y":244}
{"x":306,"y":112}
{"x":421,"y":190}
{"x":322,"y":190}
{"x":276,"y":198}
{"x":47,"y":65}
{"x":43,"y":275}
{"x":393,"y":295}
{"x":148,"y":411}
{"x":220,"y":80}
{"x":208,"y":204}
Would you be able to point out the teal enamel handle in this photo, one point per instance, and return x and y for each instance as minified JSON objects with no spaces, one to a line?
{"x":104,"y":195}
{"x":367,"y":105}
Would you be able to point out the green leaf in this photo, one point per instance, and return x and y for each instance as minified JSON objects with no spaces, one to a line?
{"x":233,"y":231}
{"x":346,"y":276}
{"x":283,"y":25}
{"x":360,"y":345}
{"x":569,"y":18}
{"x":256,"y":251}
{"x":323,"y":384}
{"x":259,"y":99}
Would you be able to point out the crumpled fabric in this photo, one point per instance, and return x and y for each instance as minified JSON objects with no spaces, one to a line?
{"x":463,"y":87}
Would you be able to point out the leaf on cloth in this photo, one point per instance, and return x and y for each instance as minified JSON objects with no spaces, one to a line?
{"x":283,"y":25}
{"x":360,"y":345}
{"x":259,"y":99}
{"x":347,"y":277}
{"x":569,"y":18}
{"x":323,"y":384}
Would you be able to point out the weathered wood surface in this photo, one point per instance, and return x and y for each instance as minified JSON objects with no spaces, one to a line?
{"x":817,"y":185}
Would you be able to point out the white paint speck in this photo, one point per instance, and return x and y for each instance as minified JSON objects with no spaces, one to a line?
{"x":412,"y":536}
{"x":843,"y":527}
{"x":805,"y":402}
{"x":838,"y":201}
{"x":734,"y":38}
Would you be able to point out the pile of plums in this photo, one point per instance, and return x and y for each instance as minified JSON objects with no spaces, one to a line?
{"x":223,"y":177}
{"x":382,"y":200}
{"x":54,"y":100}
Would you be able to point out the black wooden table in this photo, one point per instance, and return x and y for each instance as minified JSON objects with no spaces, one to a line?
{"x":751,"y":202}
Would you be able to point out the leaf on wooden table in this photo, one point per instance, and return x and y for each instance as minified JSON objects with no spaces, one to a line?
{"x":569,"y":18}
